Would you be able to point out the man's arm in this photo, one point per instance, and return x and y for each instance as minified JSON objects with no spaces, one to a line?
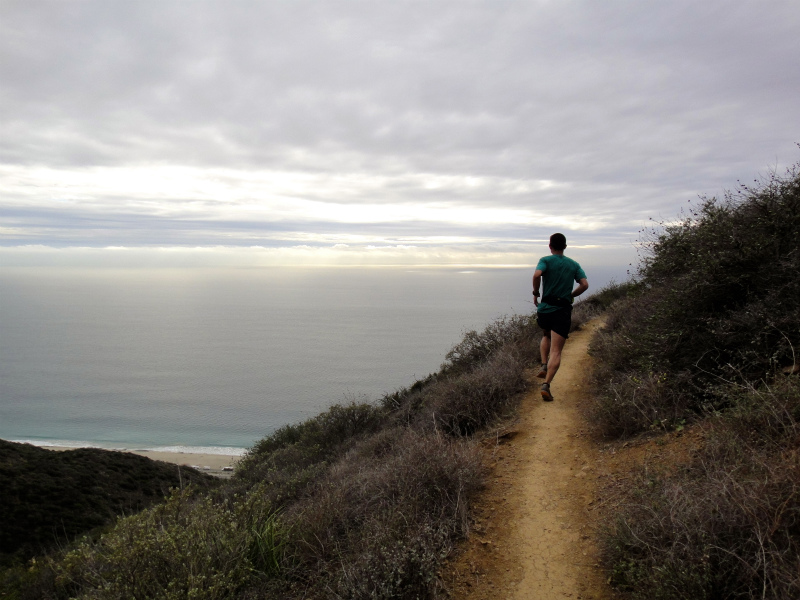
{"x":537,"y":281}
{"x":583,"y":285}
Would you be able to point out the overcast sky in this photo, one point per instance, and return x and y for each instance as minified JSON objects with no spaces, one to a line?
{"x":379,"y":132}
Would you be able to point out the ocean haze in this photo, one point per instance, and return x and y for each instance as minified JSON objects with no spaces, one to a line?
{"x":221,"y":358}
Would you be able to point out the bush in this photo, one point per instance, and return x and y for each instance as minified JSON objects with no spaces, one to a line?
{"x":296,"y":454}
{"x":461,"y":406}
{"x":633,"y":403}
{"x":382,"y":519}
{"x":714,"y":318}
{"x":718,"y":297}
{"x":477,"y":384}
{"x":322,"y":434}
{"x":185,"y":548}
{"x":519,"y":331}
{"x":603,"y":299}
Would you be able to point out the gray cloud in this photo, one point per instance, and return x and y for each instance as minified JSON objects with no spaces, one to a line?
{"x":629,"y":109}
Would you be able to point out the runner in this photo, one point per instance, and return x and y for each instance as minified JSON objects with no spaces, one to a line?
{"x":554,"y":311}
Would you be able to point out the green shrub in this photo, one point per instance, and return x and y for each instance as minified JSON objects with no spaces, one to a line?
{"x":296,"y":454}
{"x":185,"y":548}
{"x":324,"y":433}
{"x":726,"y":280}
{"x":718,"y":298}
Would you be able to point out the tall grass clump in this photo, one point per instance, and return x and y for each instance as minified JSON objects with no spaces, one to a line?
{"x":478,"y":383}
{"x":382,"y":519}
{"x":179,"y":549}
{"x":363,"y":501}
{"x":717,"y":298}
{"x":727,"y":525}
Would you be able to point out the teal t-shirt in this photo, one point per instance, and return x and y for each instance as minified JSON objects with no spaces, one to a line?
{"x":558,"y":275}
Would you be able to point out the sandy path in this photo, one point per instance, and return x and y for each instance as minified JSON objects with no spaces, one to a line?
{"x":534,"y":532}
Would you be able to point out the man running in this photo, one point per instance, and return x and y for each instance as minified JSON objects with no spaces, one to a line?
{"x":554,"y":311}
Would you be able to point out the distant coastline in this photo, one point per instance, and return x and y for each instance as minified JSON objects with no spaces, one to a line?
{"x":217,"y":461}
{"x":176,"y":449}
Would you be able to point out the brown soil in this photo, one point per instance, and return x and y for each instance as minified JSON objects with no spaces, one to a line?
{"x":551,"y":486}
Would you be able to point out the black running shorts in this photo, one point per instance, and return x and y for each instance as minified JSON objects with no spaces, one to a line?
{"x":559,"y":321}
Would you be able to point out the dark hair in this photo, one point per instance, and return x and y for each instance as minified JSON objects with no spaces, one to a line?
{"x":558,"y":241}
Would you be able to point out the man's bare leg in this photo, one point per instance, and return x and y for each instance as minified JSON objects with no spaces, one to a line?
{"x":544,"y":350}
{"x":556,"y":345}
{"x":544,"y":346}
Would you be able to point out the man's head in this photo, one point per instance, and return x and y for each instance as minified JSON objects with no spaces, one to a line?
{"x":558,"y":242}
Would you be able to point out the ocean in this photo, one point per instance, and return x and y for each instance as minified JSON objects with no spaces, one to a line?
{"x":202,"y":360}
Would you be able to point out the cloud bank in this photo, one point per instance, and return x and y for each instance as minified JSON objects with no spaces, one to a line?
{"x":369,"y":132}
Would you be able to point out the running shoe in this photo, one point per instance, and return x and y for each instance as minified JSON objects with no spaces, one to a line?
{"x":546,"y":395}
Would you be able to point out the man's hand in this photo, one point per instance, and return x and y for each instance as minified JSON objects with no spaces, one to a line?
{"x":537,"y":283}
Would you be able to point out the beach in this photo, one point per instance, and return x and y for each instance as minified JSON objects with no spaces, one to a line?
{"x":219,"y":465}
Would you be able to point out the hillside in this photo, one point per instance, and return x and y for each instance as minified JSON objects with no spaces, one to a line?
{"x":361,"y":501}
{"x":48,"y":498}
{"x":706,"y":342}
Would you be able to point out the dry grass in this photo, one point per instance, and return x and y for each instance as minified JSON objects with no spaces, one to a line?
{"x":727,"y":525}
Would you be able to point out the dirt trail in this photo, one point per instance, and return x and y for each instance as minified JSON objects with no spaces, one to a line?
{"x":533,"y":538}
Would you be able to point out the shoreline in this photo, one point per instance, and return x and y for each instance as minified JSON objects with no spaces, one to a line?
{"x":219,"y":465}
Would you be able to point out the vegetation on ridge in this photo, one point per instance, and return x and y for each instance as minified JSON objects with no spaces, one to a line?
{"x":704,"y":339}
{"x":717,"y":300}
